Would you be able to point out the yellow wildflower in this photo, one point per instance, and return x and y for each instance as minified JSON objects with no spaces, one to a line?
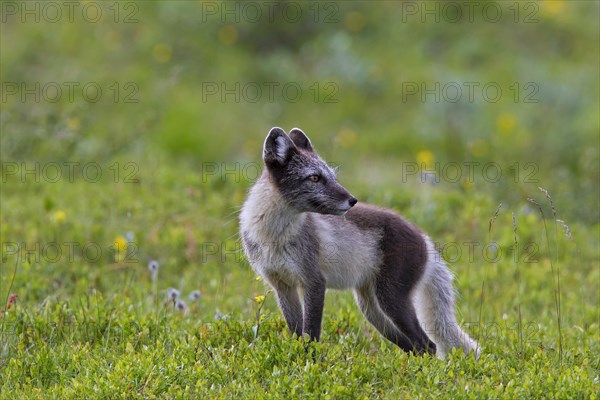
{"x":425,"y":159}
{"x":506,"y":124}
{"x":120,"y":243}
{"x":553,"y":7}
{"x":259,"y":299}
{"x":58,"y":216}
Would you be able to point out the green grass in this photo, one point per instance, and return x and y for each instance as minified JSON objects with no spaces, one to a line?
{"x":91,"y":322}
{"x":82,"y":328}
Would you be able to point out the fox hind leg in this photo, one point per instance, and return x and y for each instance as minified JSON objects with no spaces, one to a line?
{"x":397,"y":305}
{"x":367,"y":300}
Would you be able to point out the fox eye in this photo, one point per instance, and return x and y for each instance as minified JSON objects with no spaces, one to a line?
{"x":314,"y":178}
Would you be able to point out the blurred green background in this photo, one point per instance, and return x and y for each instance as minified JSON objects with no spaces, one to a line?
{"x":204,"y":81}
{"x":170,"y":103}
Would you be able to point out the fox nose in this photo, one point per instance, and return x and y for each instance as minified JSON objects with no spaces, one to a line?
{"x":352,"y":201}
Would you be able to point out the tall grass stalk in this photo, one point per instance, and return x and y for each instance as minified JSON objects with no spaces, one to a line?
{"x":518,"y":278}
{"x":485,"y":271}
{"x":557,"y":294}
{"x":555,"y":275}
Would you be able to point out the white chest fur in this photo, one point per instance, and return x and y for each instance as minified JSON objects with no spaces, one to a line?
{"x":273,"y":235}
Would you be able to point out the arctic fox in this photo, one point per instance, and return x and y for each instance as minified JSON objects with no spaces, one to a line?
{"x":302,"y":230}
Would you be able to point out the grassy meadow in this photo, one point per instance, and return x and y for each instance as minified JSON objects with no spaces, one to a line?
{"x":131,"y":132}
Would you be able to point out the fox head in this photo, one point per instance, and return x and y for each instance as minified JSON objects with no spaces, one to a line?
{"x":304,"y":180}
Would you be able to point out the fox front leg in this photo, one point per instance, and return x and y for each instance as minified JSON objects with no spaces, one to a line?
{"x":314,"y":301}
{"x":289,"y":304}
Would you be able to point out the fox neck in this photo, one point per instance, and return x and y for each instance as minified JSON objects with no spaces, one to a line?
{"x":267,"y":217}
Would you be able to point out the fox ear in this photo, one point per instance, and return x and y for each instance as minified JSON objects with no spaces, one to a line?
{"x":300,"y":139}
{"x":278,"y":147}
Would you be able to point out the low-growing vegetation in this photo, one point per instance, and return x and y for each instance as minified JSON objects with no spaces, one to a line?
{"x":122,"y":274}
